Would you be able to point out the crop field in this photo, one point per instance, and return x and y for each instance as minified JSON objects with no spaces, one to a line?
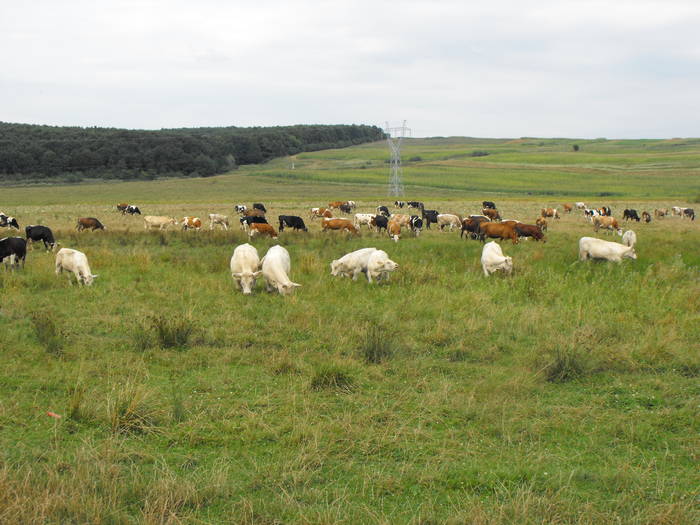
{"x":568,"y":392}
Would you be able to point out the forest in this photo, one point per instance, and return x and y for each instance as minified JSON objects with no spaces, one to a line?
{"x":38,"y":153}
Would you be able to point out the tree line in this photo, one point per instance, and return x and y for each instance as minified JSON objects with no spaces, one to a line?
{"x":56,"y":153}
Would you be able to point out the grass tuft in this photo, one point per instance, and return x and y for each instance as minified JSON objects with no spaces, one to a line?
{"x":47,"y":332}
{"x":131,"y":409}
{"x":332,"y":377}
{"x":173,"y":332}
{"x":564,"y":365}
{"x":377,"y":345}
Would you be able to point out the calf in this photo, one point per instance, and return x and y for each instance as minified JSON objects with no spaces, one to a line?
{"x":319,"y":212}
{"x":89,"y":223}
{"x":352,"y":264}
{"x":429,"y":217}
{"x":489,"y":205}
{"x":496,"y":230}
{"x":380,"y":222}
{"x":216,"y":218}
{"x":530,"y":230}
{"x":415,"y":204}
{"x":191,"y":223}
{"x":542,"y":223}
{"x":335,"y":204}
{"x":261,"y":229}
{"x":580,"y":205}
{"x":276,"y":266}
{"x":132,"y":210}
{"x":629,"y":238}
{"x":8,"y":222}
{"x":351,"y":204}
{"x":339,"y":224}
{"x":591,"y":248}
{"x":567,"y":208}
{"x":492,"y":259}
{"x":158,"y":221}
{"x":292,"y":221}
{"x":345,"y":208}
{"x":41,"y":233}
{"x":630,"y":215}
{"x":244,"y":265}
{"x":122,"y":207}
{"x":75,"y":262}
{"x":379,"y":266}
{"x":660,"y":212}
{"x":14,"y":249}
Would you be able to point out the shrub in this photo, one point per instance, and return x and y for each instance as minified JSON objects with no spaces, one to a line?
{"x":49,"y":335}
{"x":575,"y":147}
{"x":479,"y":153}
{"x":332,"y":377}
{"x":415,"y":159}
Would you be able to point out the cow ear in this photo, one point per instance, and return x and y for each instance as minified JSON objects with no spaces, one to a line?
{"x":95,"y":276}
{"x":295,"y":285}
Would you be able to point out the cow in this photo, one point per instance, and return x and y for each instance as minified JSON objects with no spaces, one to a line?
{"x":122,"y":206}
{"x":335,"y":204}
{"x":75,"y":262}
{"x":589,"y":214}
{"x":216,"y":218}
{"x":14,"y":249}
{"x":580,"y":205}
{"x":492,"y":259}
{"x":592,"y":248}
{"x":379,"y":266}
{"x":629,"y":238}
{"x":319,"y":212}
{"x":529,"y":230}
{"x":158,"y":221}
{"x":259,"y":206}
{"x":191,"y":223}
{"x":132,"y":210}
{"x":415,"y":204}
{"x":276,"y":266}
{"x":491,"y":213}
{"x":690,"y":213}
{"x":399,"y":204}
{"x":383,"y":210}
{"x":363,"y":218}
{"x":496,"y":230}
{"x":488,"y":205}
{"x":401,"y":219}
{"x":36,"y":233}
{"x":345,"y":208}
{"x":448,"y":219}
{"x":380,"y":222}
{"x":8,"y":222}
{"x":429,"y":217}
{"x":394,"y":230}
{"x":605,"y":211}
{"x":255,"y":212}
{"x":550,"y":212}
{"x":567,"y":207}
{"x":607,"y":223}
{"x":542,"y":223}
{"x":352,"y":264}
{"x":258,"y":228}
{"x":291,"y":221}
{"x":471,"y":225}
{"x":240,"y":208}
{"x":660,"y":212}
{"x":247,"y":221}
{"x":351,"y":204}
{"x":630,"y":215}
{"x":416,"y":224}
{"x":646,"y":217}
{"x":339,"y":224}
{"x":89,"y":223}
{"x":245,"y":267}
{"x":677,"y":211}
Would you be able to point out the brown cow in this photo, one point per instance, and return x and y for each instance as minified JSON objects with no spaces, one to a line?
{"x":253,"y":212}
{"x":339,"y":224}
{"x":491,"y":213}
{"x":542,"y":223}
{"x":550,"y":212}
{"x":319,"y":212}
{"x":660,"y":212}
{"x":335,"y":204}
{"x":191,"y":223}
{"x":401,"y":219}
{"x":567,"y":207}
{"x":607,"y":223}
{"x":394,"y":230}
{"x":258,"y":228}
{"x":496,"y":230}
{"x":471,"y":225}
{"x":646,"y":217}
{"x":530,"y":230}
{"x":122,"y":207}
{"x":89,"y":223}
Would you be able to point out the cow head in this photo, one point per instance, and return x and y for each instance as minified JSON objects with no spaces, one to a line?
{"x":286,"y":289}
{"x":246,"y":281}
{"x":89,"y":278}
{"x":508,"y":265}
{"x":335,"y":268}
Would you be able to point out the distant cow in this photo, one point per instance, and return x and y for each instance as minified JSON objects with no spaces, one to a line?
{"x":132,"y":210}
{"x":75,"y":262}
{"x":261,"y":229}
{"x":320,"y":212}
{"x":394,"y":230}
{"x":416,"y":224}
{"x":690,"y":213}
{"x":491,"y":213}
{"x":591,"y":248}
{"x":567,"y":207}
{"x":471,"y":225}
{"x":248,"y":220}
{"x":415,"y":204}
{"x":351,"y":204}
{"x":660,"y":212}
{"x":240,"y":208}
{"x":529,"y":230}
{"x":291,"y":221}
{"x":383,"y":210}
{"x":646,"y":217}
{"x":607,"y":223}
{"x":630,"y":215}
{"x":158,"y":221}
{"x":380,"y":222}
{"x":489,"y":205}
{"x":255,"y":212}
{"x":605,"y":211}
{"x":629,"y":238}
{"x":216,"y":218}
{"x":429,"y":217}
{"x":399,"y":204}
{"x":550,"y":212}
{"x":8,"y":222}
{"x":191,"y":223}
{"x":335,"y":204}
{"x":89,"y":223}
{"x":122,"y":206}
{"x":259,"y":206}
{"x":41,"y":233}
{"x":492,"y":259}
{"x":14,"y":249}
{"x":496,"y":230}
{"x":542,"y":223}
{"x":345,"y":208}
{"x":339,"y":224}
{"x":363,"y":218}
{"x":580,"y":205}
{"x":448,"y":219}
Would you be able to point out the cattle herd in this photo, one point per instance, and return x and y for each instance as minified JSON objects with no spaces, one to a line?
{"x":246,"y":265}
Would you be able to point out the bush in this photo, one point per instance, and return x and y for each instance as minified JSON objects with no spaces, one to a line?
{"x":415,"y":159}
{"x":332,"y":377}
{"x":479,"y":153}
{"x":575,"y":147}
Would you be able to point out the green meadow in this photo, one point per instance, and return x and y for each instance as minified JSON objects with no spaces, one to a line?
{"x":568,"y":392}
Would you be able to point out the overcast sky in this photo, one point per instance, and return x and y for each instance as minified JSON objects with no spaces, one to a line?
{"x":582,"y":68}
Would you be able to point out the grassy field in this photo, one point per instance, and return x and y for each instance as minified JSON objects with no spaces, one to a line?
{"x":566,"y":393}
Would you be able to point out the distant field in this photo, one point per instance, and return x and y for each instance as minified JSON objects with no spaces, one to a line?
{"x":566,"y":393}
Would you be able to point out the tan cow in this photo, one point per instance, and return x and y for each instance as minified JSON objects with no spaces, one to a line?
{"x":158,"y":221}
{"x":339,"y":224}
{"x":607,"y":223}
{"x":550,"y":212}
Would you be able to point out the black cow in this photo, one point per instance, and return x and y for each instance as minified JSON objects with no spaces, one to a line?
{"x":8,"y":222}
{"x":415,"y":204}
{"x":292,"y":221}
{"x":16,"y":246}
{"x":41,"y":233}
{"x":416,"y":224}
{"x":383,"y":210}
{"x":259,"y":206}
{"x":489,"y":205}
{"x":346,"y":208}
{"x":380,"y":221}
{"x":251,"y":219}
{"x":690,"y":213}
{"x":630,"y":215}
{"x":399,"y":204}
{"x":132,"y":210}
{"x":430,"y":216}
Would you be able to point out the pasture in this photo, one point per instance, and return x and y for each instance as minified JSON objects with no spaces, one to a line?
{"x":565,"y":393}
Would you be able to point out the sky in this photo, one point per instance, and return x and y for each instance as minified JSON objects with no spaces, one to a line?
{"x":498,"y":68}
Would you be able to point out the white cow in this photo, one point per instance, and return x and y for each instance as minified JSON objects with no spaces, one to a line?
{"x":352,"y":204}
{"x":580,"y":206}
{"x":492,"y":259}
{"x":591,"y":248}
{"x":448,"y":219}
{"x":275,"y":270}
{"x":245,"y":264}
{"x":379,"y":266}
{"x":629,"y":238}
{"x":363,"y":218}
{"x":352,"y":264}
{"x":162,"y":222}
{"x":217,"y":218}
{"x":76,"y":262}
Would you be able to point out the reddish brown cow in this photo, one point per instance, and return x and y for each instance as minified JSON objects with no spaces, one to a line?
{"x":542,"y":223}
{"x":550,"y":212}
{"x":491,"y":214}
{"x":261,"y":229}
{"x":567,"y":207}
{"x":122,"y":207}
{"x":339,"y":224}
{"x":496,"y":230}
{"x":471,"y":226}
{"x":335,"y":204}
{"x":89,"y":223}
{"x":530,"y":230}
{"x":253,"y":212}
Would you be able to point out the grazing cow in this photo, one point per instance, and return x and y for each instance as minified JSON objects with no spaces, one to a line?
{"x":607,"y":223}
{"x":132,"y":210}
{"x":247,"y":221}
{"x":259,"y":206}
{"x":351,"y":204}
{"x":394,"y":230}
{"x":276,"y":266}
{"x":416,"y":224}
{"x":216,"y":218}
{"x":122,"y":206}
{"x":660,"y":212}
{"x":14,"y":249}
{"x":550,"y":212}
{"x":399,"y":204}
{"x":335,"y":204}
{"x":488,"y":205}
{"x":677,"y":211}
{"x":255,"y":212}
{"x":448,"y":219}
{"x":320,"y":212}
{"x":580,"y":206}
{"x":191,"y":223}
{"x":471,"y":225}
{"x":245,"y":267}
{"x":591,"y":248}
{"x":363,"y":218}
{"x":567,"y":207}
{"x":590,"y":214}
{"x":646,"y":217}
{"x":380,"y":222}
{"x":352,"y":264}
{"x":605,"y":211}
{"x":75,"y":262}
{"x":415,"y":204}
{"x":8,"y":222}
{"x":688,"y":212}
{"x":240,"y":208}
{"x":630,"y":215}
{"x":89,"y":223}
{"x":629,"y":238}
{"x":429,"y":217}
{"x":258,"y":228}
{"x":529,"y":230}
{"x":345,"y":208}
{"x":379,"y":266}
{"x":491,"y":213}
{"x":401,"y":219}
{"x":158,"y":221}
{"x":292,"y":221}
{"x":339,"y":224}
{"x":542,"y":223}
{"x":41,"y":233}
{"x":492,"y":259}
{"x":494,"y":230}
{"x":383,"y":210}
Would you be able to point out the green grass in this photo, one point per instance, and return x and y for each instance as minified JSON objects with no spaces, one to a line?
{"x":566,"y":393}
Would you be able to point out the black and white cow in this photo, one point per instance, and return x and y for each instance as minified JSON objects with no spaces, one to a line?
{"x":489,"y":205}
{"x":8,"y":222}
{"x":345,"y":208}
{"x":416,"y":224}
{"x":383,"y":210}
{"x":415,"y":204}
{"x":292,"y":221}
{"x":630,"y":215}
{"x":380,"y":221}
{"x":36,"y":233}
{"x":240,"y":208}
{"x":251,"y":219}
{"x":399,"y":204}
{"x":690,"y":213}
{"x":132,"y":210}
{"x":430,"y":216}
{"x":259,"y":206}
{"x":14,"y":249}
